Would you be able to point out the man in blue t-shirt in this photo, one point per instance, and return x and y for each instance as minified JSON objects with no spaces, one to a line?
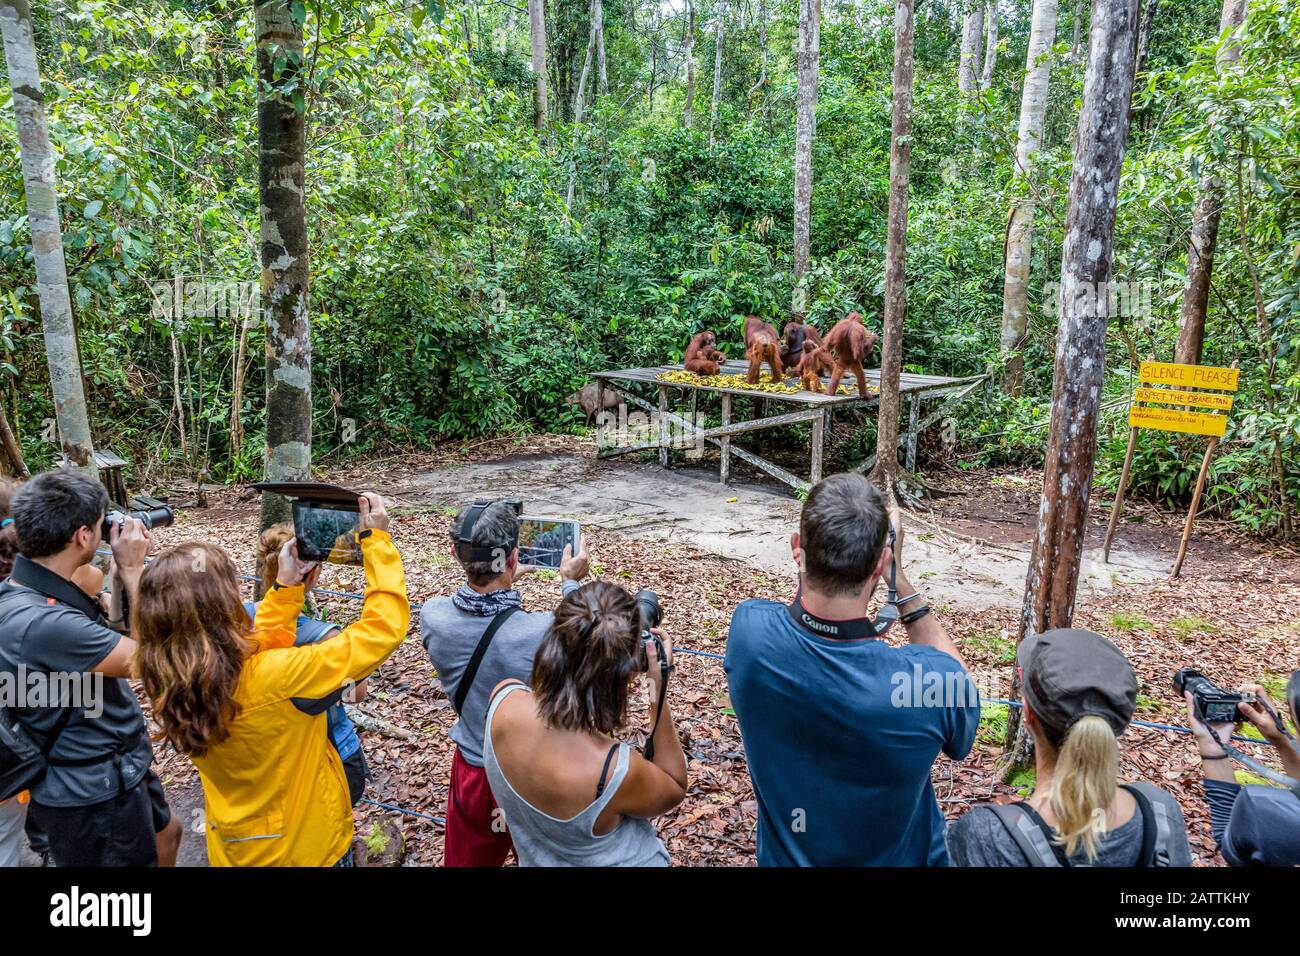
{"x":840,"y":728}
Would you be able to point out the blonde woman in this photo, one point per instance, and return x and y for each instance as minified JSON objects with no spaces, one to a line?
{"x":1079,"y":693}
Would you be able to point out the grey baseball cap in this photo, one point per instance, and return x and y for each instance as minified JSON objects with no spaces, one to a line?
{"x":1069,"y":673}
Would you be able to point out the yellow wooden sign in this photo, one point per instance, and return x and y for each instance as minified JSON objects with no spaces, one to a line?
{"x":1189,"y":376}
{"x":1172,"y":396}
{"x":1174,"y":420}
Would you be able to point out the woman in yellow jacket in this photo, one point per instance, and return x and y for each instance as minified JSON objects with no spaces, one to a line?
{"x":249,"y":707}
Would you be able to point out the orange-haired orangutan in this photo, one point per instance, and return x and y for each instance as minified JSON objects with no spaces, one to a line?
{"x":814,"y":364}
{"x":850,"y":345}
{"x":761,"y":345}
{"x":702,"y":357}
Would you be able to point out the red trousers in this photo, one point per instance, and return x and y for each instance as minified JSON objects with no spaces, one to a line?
{"x":476,"y":832}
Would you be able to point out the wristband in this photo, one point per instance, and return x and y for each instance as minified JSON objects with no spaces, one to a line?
{"x":899,"y":602}
{"x":913,"y":616}
{"x":1220,"y":757}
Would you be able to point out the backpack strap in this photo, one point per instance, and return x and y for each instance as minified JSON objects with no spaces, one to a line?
{"x":1156,"y":829}
{"x":1032,"y":834}
{"x":471,"y":669}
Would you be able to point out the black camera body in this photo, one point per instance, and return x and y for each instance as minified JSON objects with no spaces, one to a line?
{"x":652,"y":613}
{"x":152,"y":512}
{"x":1214,"y":705}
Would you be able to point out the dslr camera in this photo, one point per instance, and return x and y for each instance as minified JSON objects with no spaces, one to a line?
{"x":1214,"y":705}
{"x":652,"y":613}
{"x":150,"y":511}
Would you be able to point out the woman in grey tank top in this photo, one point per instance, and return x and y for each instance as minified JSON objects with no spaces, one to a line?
{"x":570,"y":794}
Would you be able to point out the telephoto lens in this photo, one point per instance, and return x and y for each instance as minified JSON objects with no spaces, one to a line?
{"x":647,"y":603}
{"x":156,"y":514}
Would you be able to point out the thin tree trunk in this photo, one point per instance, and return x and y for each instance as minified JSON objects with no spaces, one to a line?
{"x":598,"y":25}
{"x":176,"y":390}
{"x":281,"y":124}
{"x":579,"y":107}
{"x":1205,"y":221}
{"x":537,"y":34}
{"x":11,"y":453}
{"x":1053,"y":577}
{"x":717,"y":68}
{"x":885,"y":473}
{"x":1267,"y":349}
{"x":991,"y":45}
{"x":810,"y":12}
{"x":237,"y":390}
{"x":61,"y":351}
{"x":762,"y":43}
{"x":972,"y":33}
{"x":1149,"y":8}
{"x":1074,"y":37}
{"x":689,"y":109}
{"x":1020,"y":229}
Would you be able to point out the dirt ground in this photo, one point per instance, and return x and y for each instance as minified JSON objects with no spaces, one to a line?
{"x":704,"y":547}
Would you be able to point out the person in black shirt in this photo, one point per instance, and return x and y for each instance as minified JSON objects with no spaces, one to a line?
{"x":99,"y":802}
{"x":1254,"y":824}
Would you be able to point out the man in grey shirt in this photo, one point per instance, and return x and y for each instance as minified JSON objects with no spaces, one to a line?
{"x":452,"y":629}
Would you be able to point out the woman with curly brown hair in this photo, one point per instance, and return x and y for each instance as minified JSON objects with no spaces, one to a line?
{"x":570,"y":793}
{"x":228,"y":694}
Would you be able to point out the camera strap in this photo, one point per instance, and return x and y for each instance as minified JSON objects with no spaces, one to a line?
{"x":854,"y":629}
{"x":664,"y":669}
{"x":471,"y":669}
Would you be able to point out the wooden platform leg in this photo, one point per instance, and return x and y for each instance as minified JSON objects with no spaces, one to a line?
{"x":600,"y":415}
{"x":1119,"y":496}
{"x":663,"y":426}
{"x":818,"y":445}
{"x":913,"y":416}
{"x":724,"y":471}
{"x":1196,"y":502}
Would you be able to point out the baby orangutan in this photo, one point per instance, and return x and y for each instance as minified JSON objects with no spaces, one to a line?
{"x":702,"y":357}
{"x":796,"y":334}
{"x":813,"y":365}
{"x":849,"y":344}
{"x":761,"y":345}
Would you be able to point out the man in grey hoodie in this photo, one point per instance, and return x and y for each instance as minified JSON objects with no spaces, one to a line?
{"x":452,"y":630}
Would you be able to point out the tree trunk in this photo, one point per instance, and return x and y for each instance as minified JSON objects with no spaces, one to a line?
{"x":972,"y":33}
{"x":689,"y":109}
{"x":1074,"y":36}
{"x":580,"y":103}
{"x":1020,"y":229}
{"x":991,"y":46}
{"x":537,"y":33}
{"x":762,"y":43}
{"x":61,"y":351}
{"x":1205,"y":221}
{"x":810,"y":12}
{"x":885,"y":473}
{"x":717,"y":68}
{"x":281,"y":123}
{"x":11,"y":453}
{"x":1149,"y":8}
{"x":1081,"y":336}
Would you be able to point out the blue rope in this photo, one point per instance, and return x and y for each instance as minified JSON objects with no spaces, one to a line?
{"x":1136,"y":723}
{"x":441,"y":821}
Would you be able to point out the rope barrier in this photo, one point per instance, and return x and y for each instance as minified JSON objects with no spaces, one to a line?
{"x":441,"y":821}
{"x":417,"y":605}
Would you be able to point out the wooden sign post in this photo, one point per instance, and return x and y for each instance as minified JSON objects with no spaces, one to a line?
{"x":1174,"y":385}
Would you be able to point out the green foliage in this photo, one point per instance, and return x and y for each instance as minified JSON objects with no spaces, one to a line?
{"x":454,"y":293}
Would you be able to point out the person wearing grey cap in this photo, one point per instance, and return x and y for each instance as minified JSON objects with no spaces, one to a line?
{"x":1079,"y":693}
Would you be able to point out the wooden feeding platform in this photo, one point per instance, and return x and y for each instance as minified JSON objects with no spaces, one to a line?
{"x":670,"y":430}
